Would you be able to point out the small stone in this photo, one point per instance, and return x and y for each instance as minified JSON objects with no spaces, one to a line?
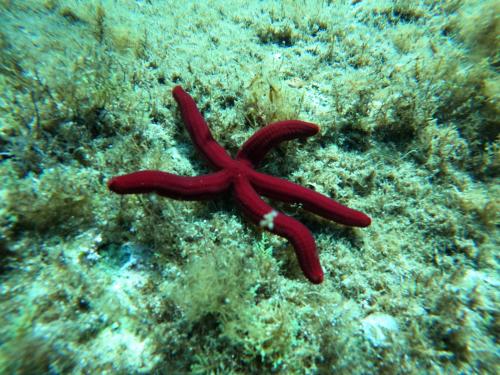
{"x":378,"y":328}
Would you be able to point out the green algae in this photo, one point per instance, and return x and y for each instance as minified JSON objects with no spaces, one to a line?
{"x":406,"y":94}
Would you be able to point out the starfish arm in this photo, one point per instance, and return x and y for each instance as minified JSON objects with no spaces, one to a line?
{"x":257,"y":146}
{"x":286,"y":191}
{"x":278,"y":223}
{"x":199,"y":131}
{"x":170,"y":185}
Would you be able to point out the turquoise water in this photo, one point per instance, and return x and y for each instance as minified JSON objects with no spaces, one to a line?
{"x":406,"y":98}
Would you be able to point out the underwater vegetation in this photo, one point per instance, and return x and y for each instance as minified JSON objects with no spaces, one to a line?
{"x":407,"y":97}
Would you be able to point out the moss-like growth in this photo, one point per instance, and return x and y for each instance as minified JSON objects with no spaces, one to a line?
{"x":57,"y":199}
{"x":406,"y":94}
{"x":268,"y":101}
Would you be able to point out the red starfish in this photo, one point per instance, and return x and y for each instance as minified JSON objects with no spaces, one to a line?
{"x":239,"y":176}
